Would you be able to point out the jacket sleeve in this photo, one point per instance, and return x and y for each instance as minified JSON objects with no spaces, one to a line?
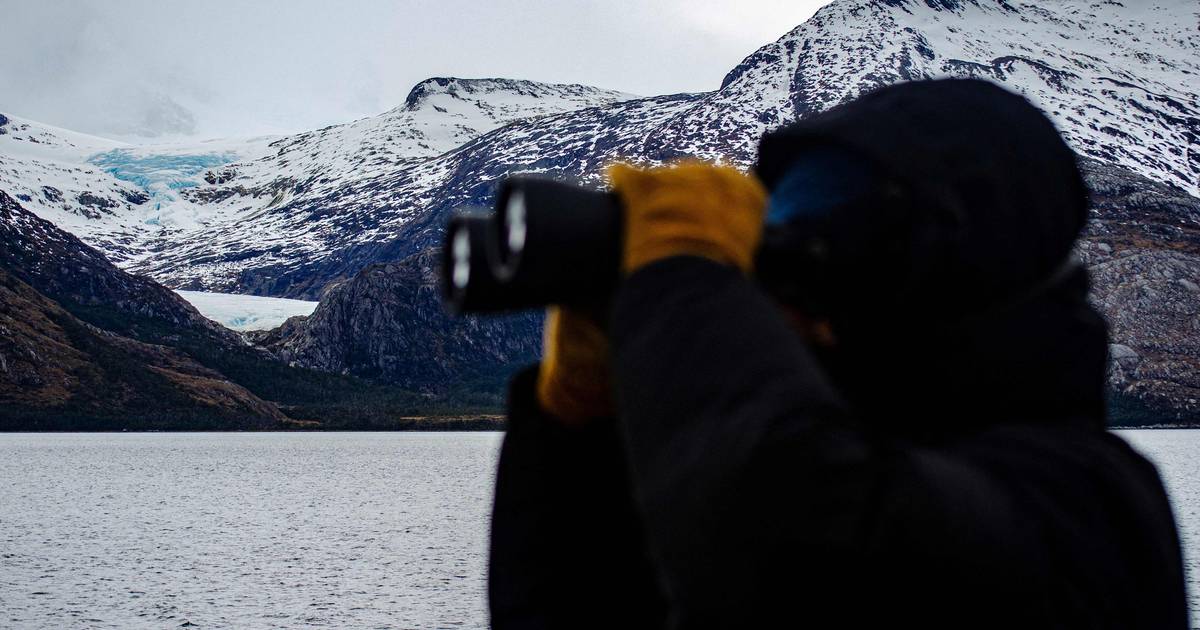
{"x":762,"y":500}
{"x":567,"y":547}
{"x":743,"y":456}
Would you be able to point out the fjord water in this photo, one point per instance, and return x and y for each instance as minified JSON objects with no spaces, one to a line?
{"x":245,"y":530}
{"x":279,"y":530}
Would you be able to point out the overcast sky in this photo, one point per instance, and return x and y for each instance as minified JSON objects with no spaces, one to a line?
{"x":242,"y":67}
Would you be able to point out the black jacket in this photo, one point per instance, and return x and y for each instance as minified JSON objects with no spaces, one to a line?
{"x":971,"y":485}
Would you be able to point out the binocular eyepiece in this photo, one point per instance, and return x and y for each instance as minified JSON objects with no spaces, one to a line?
{"x":547,"y":242}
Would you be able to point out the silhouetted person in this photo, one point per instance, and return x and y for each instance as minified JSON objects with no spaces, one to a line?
{"x":907,"y":431}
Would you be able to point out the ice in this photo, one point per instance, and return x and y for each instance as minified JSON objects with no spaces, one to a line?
{"x":246,"y":312}
{"x":159,"y":175}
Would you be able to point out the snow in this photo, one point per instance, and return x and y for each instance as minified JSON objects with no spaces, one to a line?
{"x":1119,"y":80}
{"x":246,"y":312}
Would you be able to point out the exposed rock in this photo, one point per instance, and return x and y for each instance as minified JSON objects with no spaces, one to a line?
{"x":1143,"y":249}
{"x":135,"y":197}
{"x":388,"y":324}
{"x":221,"y":176}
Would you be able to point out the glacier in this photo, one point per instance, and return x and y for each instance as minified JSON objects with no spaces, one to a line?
{"x":160,"y":175}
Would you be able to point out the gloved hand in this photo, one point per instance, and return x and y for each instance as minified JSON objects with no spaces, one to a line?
{"x":573,"y":382}
{"x":689,"y":208}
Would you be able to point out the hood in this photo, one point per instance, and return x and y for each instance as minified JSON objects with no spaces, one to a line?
{"x":953,"y":296}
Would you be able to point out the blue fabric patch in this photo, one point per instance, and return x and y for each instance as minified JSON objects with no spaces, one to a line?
{"x":817,"y":182}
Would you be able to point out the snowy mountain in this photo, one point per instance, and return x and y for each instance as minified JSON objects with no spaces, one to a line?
{"x":1122,"y":81}
{"x":134,"y":200}
{"x":307,"y":196}
{"x":46,"y":169}
{"x":113,"y":195}
{"x":306,"y":215}
{"x":1143,"y":243}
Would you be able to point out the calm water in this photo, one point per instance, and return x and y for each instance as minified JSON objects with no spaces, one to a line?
{"x":1177,"y":454}
{"x":241,"y":530}
{"x":244,"y":530}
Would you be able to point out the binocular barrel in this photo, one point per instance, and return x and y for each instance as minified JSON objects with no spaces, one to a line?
{"x":547,"y":242}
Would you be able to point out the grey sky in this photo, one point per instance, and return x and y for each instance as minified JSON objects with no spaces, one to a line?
{"x":224,"y":67}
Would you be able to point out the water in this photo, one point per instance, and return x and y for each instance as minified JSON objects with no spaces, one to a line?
{"x":1175,"y":453}
{"x":245,"y":530}
{"x":279,"y":530}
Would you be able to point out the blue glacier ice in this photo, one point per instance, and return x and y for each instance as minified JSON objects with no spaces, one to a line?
{"x":160,"y":175}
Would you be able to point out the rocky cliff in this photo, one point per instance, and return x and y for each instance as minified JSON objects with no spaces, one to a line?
{"x":388,"y":324}
{"x":1143,"y":249}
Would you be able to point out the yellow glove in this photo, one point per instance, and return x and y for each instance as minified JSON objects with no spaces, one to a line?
{"x":689,"y":208}
{"x":573,"y":381}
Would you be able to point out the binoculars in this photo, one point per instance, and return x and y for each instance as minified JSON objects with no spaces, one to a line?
{"x":550,"y":242}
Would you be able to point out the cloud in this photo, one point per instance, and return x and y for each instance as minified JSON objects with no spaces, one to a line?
{"x":226,"y":67}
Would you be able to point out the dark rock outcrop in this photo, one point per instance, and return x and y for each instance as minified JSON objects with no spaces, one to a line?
{"x":1143,"y":249}
{"x":388,"y":324}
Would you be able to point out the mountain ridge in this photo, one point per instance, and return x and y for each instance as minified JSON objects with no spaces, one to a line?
{"x":349,"y":212}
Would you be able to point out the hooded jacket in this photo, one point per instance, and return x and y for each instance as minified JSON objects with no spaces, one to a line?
{"x":947,"y":468}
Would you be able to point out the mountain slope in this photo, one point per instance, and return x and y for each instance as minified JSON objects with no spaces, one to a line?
{"x":46,"y":169}
{"x":1120,"y":81}
{"x":1143,"y":249}
{"x":388,"y":324}
{"x":58,"y":371}
{"x":316,"y":213}
{"x":86,"y":346}
{"x":1142,"y":242}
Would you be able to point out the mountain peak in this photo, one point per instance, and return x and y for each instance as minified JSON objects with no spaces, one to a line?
{"x":949,"y":5}
{"x":1118,"y":79}
{"x":436,"y":88}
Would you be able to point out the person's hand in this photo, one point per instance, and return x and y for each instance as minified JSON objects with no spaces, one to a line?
{"x":690,"y":208}
{"x":573,"y":382}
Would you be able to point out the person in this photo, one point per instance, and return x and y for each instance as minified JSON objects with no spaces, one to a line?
{"x":903,"y":428}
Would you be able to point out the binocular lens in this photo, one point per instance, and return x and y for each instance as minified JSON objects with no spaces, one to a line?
{"x":515,"y":230}
{"x":461,"y":259}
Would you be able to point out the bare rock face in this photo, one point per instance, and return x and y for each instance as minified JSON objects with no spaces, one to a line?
{"x":1143,"y":249}
{"x":388,"y":324}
